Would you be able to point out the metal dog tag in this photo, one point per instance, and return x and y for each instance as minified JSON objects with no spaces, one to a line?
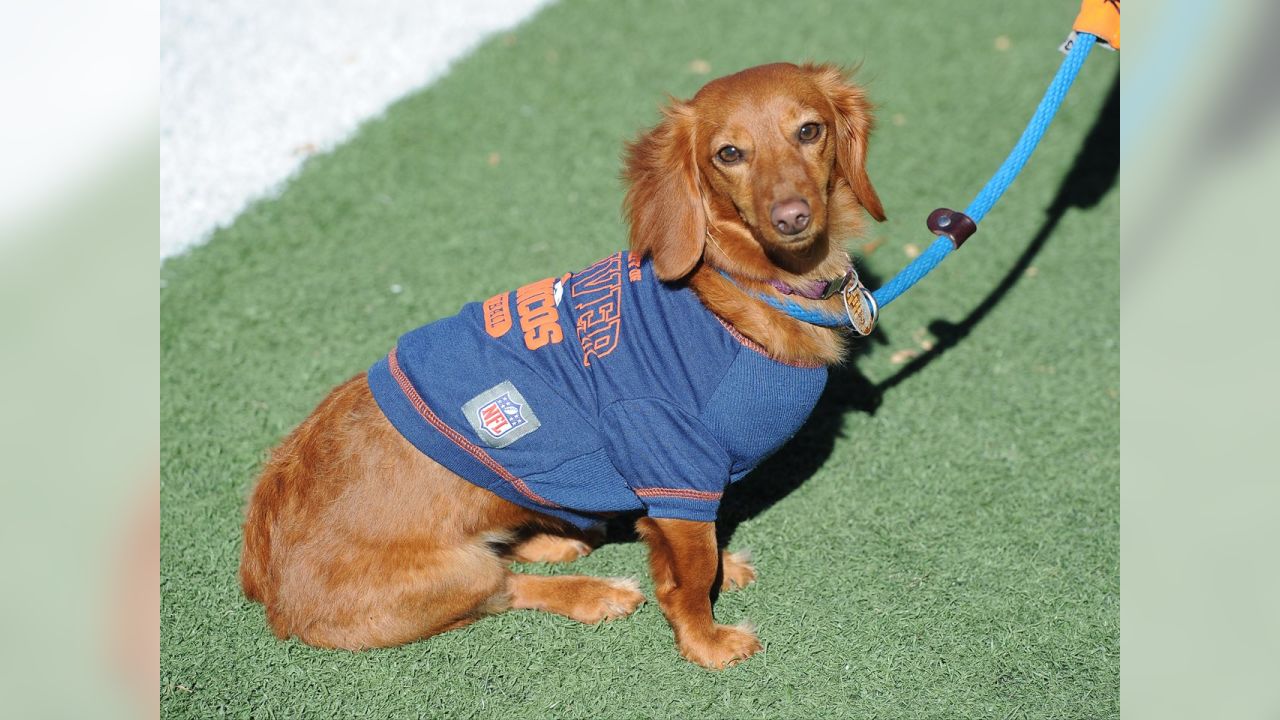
{"x":860,"y":305}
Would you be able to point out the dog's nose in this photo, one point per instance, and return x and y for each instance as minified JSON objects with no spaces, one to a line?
{"x":790,"y":216}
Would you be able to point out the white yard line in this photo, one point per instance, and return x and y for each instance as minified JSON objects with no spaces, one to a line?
{"x":249,"y":89}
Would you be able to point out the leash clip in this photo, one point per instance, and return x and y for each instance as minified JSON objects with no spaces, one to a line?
{"x":838,"y":285}
{"x":859,"y":304}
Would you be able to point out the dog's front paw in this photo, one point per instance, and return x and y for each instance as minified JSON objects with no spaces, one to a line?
{"x":737,"y":570}
{"x":724,"y":646}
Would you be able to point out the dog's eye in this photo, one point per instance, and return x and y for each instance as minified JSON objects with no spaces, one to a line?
{"x":729,"y":154}
{"x":809,"y":132}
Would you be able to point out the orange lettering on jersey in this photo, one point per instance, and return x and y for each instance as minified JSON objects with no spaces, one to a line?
{"x":497,"y":317}
{"x":539,"y":318}
{"x":597,"y":297}
{"x":633,"y":268}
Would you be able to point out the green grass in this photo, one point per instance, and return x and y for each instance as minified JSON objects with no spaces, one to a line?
{"x":943,"y":546}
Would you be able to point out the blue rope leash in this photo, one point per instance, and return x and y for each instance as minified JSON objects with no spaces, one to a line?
{"x":1004,"y":177}
{"x":981,"y":205}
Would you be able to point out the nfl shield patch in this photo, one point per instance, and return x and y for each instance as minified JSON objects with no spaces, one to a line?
{"x":500,"y":415}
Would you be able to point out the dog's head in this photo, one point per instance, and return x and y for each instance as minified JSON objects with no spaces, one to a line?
{"x":768,"y":164}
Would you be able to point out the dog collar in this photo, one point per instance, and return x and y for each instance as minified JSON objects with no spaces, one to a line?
{"x":860,"y":308}
{"x":815,"y":289}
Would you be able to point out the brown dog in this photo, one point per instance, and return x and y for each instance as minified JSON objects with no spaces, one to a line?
{"x":356,"y":539}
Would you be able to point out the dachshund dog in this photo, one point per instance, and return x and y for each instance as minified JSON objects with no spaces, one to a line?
{"x":648,"y":381}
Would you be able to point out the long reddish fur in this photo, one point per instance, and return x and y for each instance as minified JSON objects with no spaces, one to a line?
{"x":354,"y":539}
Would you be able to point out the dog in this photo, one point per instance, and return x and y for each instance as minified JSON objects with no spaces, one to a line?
{"x":648,"y":381}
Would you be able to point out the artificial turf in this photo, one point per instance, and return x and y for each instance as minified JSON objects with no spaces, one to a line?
{"x":940,"y":541}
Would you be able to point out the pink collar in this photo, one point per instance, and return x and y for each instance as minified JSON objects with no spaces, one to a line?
{"x":815,"y":289}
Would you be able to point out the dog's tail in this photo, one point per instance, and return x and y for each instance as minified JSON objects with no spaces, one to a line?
{"x":260,"y":521}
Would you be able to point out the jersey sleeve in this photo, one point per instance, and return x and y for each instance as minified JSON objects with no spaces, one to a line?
{"x":668,"y":457}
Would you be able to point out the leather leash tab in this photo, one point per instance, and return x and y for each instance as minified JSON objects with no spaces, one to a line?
{"x":952,"y":223}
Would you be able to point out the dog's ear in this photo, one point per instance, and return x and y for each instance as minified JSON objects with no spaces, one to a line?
{"x":664,"y":201}
{"x":854,"y":122}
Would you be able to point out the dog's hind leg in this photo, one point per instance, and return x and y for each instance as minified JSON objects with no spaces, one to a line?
{"x":396,"y":598}
{"x":585,"y":599}
{"x":565,"y":545}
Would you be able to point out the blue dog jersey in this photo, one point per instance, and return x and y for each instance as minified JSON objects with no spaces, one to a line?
{"x":601,"y":391}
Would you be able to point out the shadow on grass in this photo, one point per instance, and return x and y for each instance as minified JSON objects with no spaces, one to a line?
{"x":1092,"y":175}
